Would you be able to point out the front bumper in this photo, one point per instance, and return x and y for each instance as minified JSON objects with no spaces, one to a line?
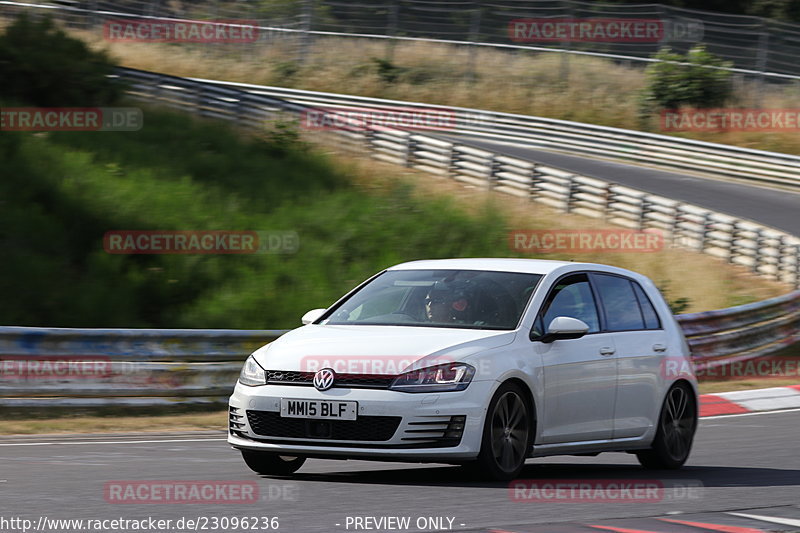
{"x":423,"y":419}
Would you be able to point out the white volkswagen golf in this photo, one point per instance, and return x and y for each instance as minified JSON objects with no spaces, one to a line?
{"x":485,"y":362}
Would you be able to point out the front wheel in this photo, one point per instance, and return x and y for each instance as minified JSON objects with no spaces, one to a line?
{"x":507,"y":434}
{"x":675,"y":433}
{"x":272,"y":464}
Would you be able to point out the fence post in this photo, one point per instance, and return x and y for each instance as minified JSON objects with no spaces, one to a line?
{"x":411,"y":146}
{"x":92,"y":14}
{"x":533,"y":193}
{"x":391,"y":29}
{"x":566,"y":45}
{"x":569,"y":200}
{"x":644,"y":209}
{"x":493,"y":169}
{"x":608,"y":199}
{"x":305,"y":39}
{"x":704,"y":231}
{"x":732,"y":246}
{"x":757,"y":253}
{"x":474,"y":37}
{"x":797,"y":266}
{"x":451,"y":162}
{"x":761,"y":63}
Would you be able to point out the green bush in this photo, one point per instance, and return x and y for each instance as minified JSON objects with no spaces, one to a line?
{"x":41,"y":65}
{"x":62,"y":191}
{"x":686,"y":80}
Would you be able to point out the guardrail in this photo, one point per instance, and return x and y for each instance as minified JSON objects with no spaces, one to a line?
{"x":156,"y":367}
{"x":51,"y":367}
{"x":54,"y":367}
{"x":766,"y":168}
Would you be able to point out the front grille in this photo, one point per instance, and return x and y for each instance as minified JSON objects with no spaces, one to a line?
{"x":356,"y":381}
{"x":365,"y":428}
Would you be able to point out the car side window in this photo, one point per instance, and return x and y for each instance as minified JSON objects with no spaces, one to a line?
{"x":651,"y":320}
{"x":572,"y":297}
{"x":619,"y":303}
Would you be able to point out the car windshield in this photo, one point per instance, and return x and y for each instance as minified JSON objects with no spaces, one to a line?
{"x":439,"y":298}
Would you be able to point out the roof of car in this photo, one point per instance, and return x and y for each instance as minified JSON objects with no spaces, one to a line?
{"x":532,"y":266}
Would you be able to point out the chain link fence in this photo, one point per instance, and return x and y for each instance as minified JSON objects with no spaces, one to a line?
{"x":754,"y":45}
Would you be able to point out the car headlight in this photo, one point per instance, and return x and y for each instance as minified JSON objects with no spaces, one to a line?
{"x":439,"y":378}
{"x":252,"y":374}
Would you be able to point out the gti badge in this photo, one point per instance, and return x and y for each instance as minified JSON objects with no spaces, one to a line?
{"x":323,"y":380}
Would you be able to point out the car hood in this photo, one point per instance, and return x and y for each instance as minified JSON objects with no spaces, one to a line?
{"x":374,"y":349}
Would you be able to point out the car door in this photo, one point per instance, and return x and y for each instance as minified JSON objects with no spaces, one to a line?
{"x":580,"y":375}
{"x":641,"y":342}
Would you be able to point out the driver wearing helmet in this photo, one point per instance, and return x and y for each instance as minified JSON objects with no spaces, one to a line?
{"x":447,"y":304}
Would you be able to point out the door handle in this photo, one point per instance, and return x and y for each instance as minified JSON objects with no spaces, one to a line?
{"x":659,"y":348}
{"x":605,"y":350}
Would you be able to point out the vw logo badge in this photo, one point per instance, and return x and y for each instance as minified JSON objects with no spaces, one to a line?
{"x":323,"y":380}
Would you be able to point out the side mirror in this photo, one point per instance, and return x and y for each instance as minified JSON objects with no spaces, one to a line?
{"x":564,"y":327}
{"x":312,"y":315}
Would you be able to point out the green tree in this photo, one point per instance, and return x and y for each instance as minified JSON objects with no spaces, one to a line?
{"x":686,"y":80}
{"x":41,"y":65}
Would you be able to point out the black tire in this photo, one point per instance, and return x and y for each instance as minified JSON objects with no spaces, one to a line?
{"x":675,"y":434}
{"x":272,"y":464}
{"x":507,"y":434}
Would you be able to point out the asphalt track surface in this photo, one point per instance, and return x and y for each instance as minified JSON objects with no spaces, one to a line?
{"x":740,"y":464}
{"x":776,"y":208}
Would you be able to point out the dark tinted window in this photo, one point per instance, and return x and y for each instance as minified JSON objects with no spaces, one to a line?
{"x":651,"y":320}
{"x":619,"y":302}
{"x":439,"y":298}
{"x":572,"y":297}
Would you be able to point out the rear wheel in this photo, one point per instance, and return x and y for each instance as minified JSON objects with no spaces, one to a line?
{"x":507,"y":434}
{"x":675,"y":433}
{"x":272,"y":464}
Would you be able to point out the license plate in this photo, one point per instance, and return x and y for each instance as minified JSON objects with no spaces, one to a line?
{"x":318,"y":409}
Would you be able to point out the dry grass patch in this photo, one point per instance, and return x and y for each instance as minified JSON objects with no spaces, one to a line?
{"x":583,"y":89}
{"x":116,"y":424}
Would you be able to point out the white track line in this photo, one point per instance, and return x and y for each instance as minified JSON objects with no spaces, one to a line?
{"x":750,"y":414}
{"x":775,"y":520}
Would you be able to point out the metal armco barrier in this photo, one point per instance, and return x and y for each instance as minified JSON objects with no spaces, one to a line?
{"x":102,"y":367}
{"x":743,"y":332}
{"x":50,"y":367}
{"x":757,"y":166}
